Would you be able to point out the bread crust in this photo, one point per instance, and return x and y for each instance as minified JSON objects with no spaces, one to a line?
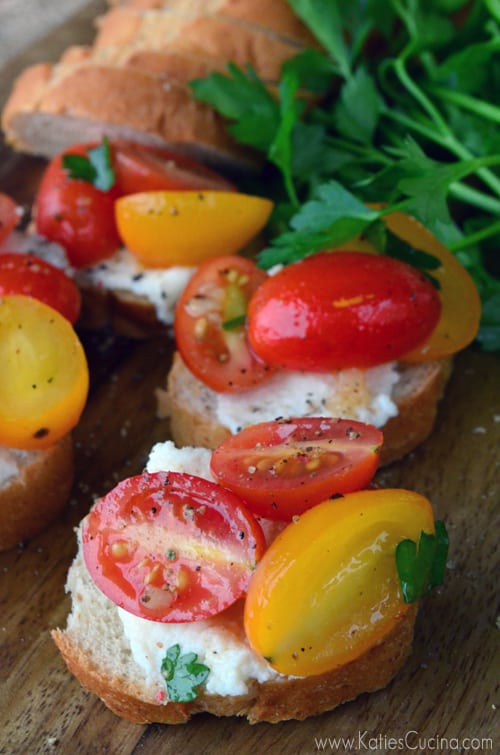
{"x":33,"y":499}
{"x":188,"y":404}
{"x":271,"y":701}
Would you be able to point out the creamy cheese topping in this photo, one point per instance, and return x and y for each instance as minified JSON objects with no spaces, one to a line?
{"x":32,"y":243}
{"x":123,"y":272}
{"x":219,"y":641}
{"x":11,"y":462}
{"x":363,"y":395}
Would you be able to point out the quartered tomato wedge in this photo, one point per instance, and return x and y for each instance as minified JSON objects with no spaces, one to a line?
{"x":9,"y":216}
{"x":210,"y":324}
{"x":458,"y":323}
{"x":341,"y":309}
{"x":171,"y":547}
{"x":284,"y":467}
{"x":31,"y":276}
{"x":327,"y":588}
{"x":163,"y":228}
{"x":139,"y":168}
{"x":43,"y":377}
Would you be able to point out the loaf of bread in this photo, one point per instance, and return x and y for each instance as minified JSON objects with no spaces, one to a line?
{"x":132,"y":82}
{"x":190,"y":406}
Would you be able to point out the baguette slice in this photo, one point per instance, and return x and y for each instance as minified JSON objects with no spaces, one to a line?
{"x":35,"y":490}
{"x":98,"y":654}
{"x":189,"y":405}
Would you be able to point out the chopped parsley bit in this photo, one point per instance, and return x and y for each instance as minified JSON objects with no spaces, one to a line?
{"x":234,"y":322}
{"x":182,"y":674}
{"x":422,"y":569}
{"x":96,"y":168}
{"x":171,"y":555}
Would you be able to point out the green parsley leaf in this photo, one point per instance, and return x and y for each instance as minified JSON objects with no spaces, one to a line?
{"x":421,"y":569}
{"x":96,"y":168}
{"x":234,"y":322}
{"x":182,"y":674}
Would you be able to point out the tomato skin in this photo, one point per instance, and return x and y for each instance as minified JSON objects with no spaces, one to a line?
{"x":327,"y":588}
{"x":141,"y":168}
{"x":44,"y":378}
{"x":163,"y":228}
{"x":31,"y":276}
{"x":341,"y":309}
{"x":76,"y":214}
{"x":171,"y":547}
{"x":9,"y":216}
{"x":282,"y":468}
{"x":219,"y":291}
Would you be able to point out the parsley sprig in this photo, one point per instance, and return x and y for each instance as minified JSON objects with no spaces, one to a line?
{"x":96,"y":167}
{"x":422,"y":568}
{"x":182,"y":674}
{"x":407,"y":115}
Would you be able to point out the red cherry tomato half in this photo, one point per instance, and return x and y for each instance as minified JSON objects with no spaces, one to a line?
{"x":76,"y":214}
{"x":31,"y":276}
{"x":342,"y":309}
{"x":139,"y":168}
{"x":210,"y":324}
{"x":8,"y":216}
{"x":284,"y":467}
{"x":171,"y":547}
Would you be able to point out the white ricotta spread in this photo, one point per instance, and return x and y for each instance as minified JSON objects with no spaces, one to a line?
{"x":219,"y":642}
{"x":123,"y":272}
{"x":11,"y":462}
{"x":363,"y":395}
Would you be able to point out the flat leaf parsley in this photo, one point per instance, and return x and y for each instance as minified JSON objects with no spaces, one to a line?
{"x":399,"y":107}
{"x":182,"y":674}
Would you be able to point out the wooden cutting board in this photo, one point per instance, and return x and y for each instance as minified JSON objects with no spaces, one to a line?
{"x":444,"y":698}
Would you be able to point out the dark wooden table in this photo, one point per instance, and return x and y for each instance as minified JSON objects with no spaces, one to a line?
{"x":444,"y":700}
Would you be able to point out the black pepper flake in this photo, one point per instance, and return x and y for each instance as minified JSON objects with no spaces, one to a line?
{"x":41,"y":433}
{"x":241,"y":535}
{"x":138,"y":276}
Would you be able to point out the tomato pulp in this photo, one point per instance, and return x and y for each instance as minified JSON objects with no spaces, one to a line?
{"x":171,"y":547}
{"x":282,"y":468}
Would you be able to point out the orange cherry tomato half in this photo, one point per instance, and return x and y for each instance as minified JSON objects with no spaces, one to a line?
{"x":458,"y":323}
{"x":44,"y":377}
{"x":163,"y":228}
{"x":210,"y":324}
{"x":327,"y":588}
{"x":31,"y":276}
{"x":284,"y":467}
{"x":171,"y":547}
{"x":9,"y":216}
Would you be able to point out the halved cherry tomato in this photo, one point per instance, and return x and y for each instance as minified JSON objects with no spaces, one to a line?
{"x":31,"y":276}
{"x":284,"y":467}
{"x":76,"y":214}
{"x":9,"y":216}
{"x":342,"y":309}
{"x":163,"y":228}
{"x":143,"y":168}
{"x":171,"y":547}
{"x":44,"y":376}
{"x":210,"y":324}
{"x":327,"y":588}
{"x":458,"y":323}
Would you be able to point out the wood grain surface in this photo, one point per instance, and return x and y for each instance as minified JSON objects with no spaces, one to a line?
{"x":444,"y":700}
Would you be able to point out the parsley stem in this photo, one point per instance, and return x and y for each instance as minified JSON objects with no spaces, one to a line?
{"x":474,"y":197}
{"x":475,"y":238}
{"x":466,"y":102}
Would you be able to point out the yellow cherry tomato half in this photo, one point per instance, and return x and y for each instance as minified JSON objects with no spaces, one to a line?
{"x":460,"y":302}
{"x":43,"y":377}
{"x":327,"y":588}
{"x":164,"y":228}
